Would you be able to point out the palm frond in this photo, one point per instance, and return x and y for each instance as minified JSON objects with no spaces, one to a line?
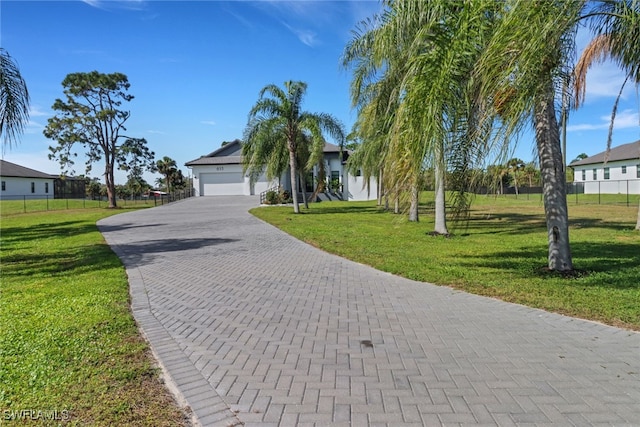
{"x":14,"y":100}
{"x":597,"y":51}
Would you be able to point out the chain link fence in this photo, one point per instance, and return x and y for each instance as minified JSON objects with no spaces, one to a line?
{"x":10,"y":205}
{"x":622,"y":192}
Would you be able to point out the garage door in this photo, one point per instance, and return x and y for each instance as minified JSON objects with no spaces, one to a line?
{"x":222,"y":184}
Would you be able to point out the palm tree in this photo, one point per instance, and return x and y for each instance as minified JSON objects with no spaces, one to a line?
{"x":530,"y":171}
{"x":14,"y":100}
{"x":413,"y":63}
{"x":525,"y":61}
{"x":277,"y":122}
{"x":167,"y":167}
{"x":617,"y":27}
{"x":515,"y":167}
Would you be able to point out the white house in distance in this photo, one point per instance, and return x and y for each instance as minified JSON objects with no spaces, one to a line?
{"x":220,"y":173}
{"x":19,"y":181}
{"x":619,"y":175}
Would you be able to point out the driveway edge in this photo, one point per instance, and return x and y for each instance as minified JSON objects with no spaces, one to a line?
{"x":183,"y":380}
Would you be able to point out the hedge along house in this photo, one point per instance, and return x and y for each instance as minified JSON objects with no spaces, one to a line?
{"x":20,"y":181}
{"x":220,"y":173}
{"x":615,"y":173}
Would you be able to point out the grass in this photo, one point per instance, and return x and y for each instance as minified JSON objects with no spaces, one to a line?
{"x":500,"y":252}
{"x":69,"y":345}
{"x":26,"y":205}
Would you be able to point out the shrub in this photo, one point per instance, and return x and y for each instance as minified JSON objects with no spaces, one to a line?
{"x":272,"y":198}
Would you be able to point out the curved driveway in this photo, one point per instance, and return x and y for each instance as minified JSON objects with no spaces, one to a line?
{"x":254,"y":327}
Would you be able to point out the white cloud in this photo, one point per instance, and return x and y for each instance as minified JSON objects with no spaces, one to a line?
{"x":237,"y":16}
{"x":116,"y":4}
{"x":93,"y":3}
{"x":307,"y":37}
{"x":208,"y":122}
{"x":33,"y":127}
{"x":605,"y":80}
{"x":35,"y":111}
{"x":624,"y":120}
{"x":156,"y":132}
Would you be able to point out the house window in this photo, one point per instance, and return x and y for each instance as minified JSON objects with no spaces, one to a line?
{"x":637,"y":171}
{"x":584,"y":175}
{"x":46,"y":187}
{"x":4,"y":186}
{"x":309,"y":183}
{"x":595,"y":174}
{"x":334,"y":183}
{"x":606,"y":173}
{"x":33,"y":187}
{"x":624,"y":169}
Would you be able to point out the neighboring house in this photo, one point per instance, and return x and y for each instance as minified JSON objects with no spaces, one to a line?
{"x":620,"y":173}
{"x":220,"y":173}
{"x":21,"y":181}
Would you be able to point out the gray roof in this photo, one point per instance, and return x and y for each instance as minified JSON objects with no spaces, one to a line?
{"x":9,"y":169}
{"x":630,"y":151}
{"x":206,"y":160}
{"x":231,"y":154}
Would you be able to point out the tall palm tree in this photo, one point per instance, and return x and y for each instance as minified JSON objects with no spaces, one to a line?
{"x":14,"y":100}
{"x":515,"y":167}
{"x":276,"y":121}
{"x":264,"y":150}
{"x":526,"y":59}
{"x":167,"y":167}
{"x":530,"y":171}
{"x":414,"y":63}
{"x":617,"y":28}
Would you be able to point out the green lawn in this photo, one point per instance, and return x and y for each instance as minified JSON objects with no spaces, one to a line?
{"x":26,"y":205}
{"x":501,"y":252}
{"x":69,"y":346}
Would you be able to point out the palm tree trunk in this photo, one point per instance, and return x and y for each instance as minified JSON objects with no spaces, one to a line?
{"x":396,"y":201}
{"x":413,"y":208}
{"x":440,"y":226}
{"x":380,"y":187}
{"x":294,"y":187}
{"x":638,"y":221}
{"x":303,"y":186}
{"x":553,"y":181}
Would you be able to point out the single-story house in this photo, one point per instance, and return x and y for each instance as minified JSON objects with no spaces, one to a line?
{"x":220,"y":173}
{"x":21,"y":181}
{"x":620,"y":174}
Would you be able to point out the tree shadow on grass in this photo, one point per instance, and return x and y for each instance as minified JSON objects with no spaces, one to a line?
{"x":345,"y":209}
{"x":84,"y":258}
{"x":61,"y":262}
{"x":107,"y":228}
{"x":46,"y":231}
{"x":611,"y":265}
{"x":519,"y":224}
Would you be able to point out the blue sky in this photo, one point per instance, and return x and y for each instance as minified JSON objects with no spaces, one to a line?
{"x":196,"y":68}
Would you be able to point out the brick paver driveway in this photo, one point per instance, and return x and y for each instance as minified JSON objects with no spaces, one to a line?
{"x":257,"y":328}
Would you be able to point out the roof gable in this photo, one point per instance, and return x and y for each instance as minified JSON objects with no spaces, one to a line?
{"x":628,"y":151}
{"x":233,"y":148}
{"x":231,"y":154}
{"x":9,"y":169}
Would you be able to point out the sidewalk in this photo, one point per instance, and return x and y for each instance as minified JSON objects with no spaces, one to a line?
{"x":256,"y":328}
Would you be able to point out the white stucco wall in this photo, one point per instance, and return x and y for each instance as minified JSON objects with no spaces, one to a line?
{"x":356,"y":189}
{"x":226,"y":180}
{"x":15,"y":187}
